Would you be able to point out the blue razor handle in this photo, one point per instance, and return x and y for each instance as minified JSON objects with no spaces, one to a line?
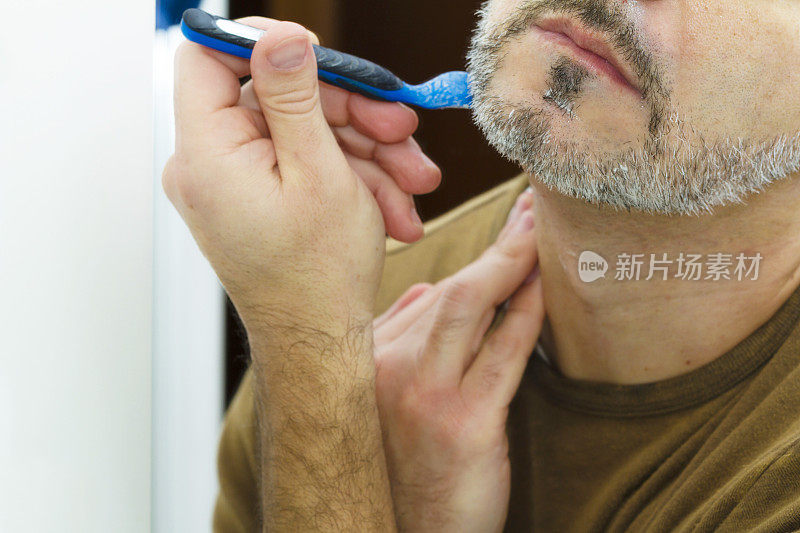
{"x":336,"y":68}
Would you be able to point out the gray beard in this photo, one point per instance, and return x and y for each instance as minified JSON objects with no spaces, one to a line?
{"x":676,"y":171}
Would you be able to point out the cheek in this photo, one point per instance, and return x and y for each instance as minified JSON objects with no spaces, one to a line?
{"x":734,"y":70}
{"x":522,"y":74}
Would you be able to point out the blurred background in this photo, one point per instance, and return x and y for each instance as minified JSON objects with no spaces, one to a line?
{"x":119,"y":351}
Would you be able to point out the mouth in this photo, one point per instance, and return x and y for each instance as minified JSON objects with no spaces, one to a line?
{"x":592,"y":49}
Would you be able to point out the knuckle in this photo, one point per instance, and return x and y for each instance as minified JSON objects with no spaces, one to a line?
{"x":299,"y":101}
{"x":447,"y":327}
{"x":490,"y":375}
{"x":502,"y":346}
{"x":170,"y":179}
{"x":422,"y":287}
{"x":459,"y":293}
{"x":263,"y":23}
{"x":179,"y":184}
{"x":181,"y":51}
{"x":294,"y":26}
{"x":458,"y":301}
{"x":504,"y":252}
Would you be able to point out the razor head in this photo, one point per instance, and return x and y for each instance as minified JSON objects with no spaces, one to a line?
{"x":448,"y":90}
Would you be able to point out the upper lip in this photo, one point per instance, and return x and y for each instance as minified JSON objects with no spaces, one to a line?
{"x":595,"y":42}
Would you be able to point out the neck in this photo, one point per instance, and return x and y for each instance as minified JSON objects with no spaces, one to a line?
{"x":633,"y":331}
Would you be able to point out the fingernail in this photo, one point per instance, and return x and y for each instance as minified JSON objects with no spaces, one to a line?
{"x":532,"y":276}
{"x":415,"y":217}
{"x":290,"y":54}
{"x":525,"y":222}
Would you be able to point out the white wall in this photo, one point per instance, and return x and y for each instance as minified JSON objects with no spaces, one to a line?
{"x":188,"y":340}
{"x":76,"y":168}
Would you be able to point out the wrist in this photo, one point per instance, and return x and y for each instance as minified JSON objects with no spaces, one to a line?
{"x":297,"y":317}
{"x":315,"y":329}
{"x":307,"y":349}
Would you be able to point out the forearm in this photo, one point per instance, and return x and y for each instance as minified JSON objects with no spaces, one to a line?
{"x":322,"y":460}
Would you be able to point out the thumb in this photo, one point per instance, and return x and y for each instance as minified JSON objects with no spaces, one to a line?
{"x":284,"y":71}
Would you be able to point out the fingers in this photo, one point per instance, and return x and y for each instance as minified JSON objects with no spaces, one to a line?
{"x":414,"y":292}
{"x":242,"y":66}
{"x":480,"y":333}
{"x":410,"y":315}
{"x":524,"y":202}
{"x":386,"y":122}
{"x":497,"y":371}
{"x":413,"y":171}
{"x":285,"y":82}
{"x":410,"y":168}
{"x":370,"y":130}
{"x":404,"y":160}
{"x":205,"y":82}
{"x":471,"y":293}
{"x":399,"y":212}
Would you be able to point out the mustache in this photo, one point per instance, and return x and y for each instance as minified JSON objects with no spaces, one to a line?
{"x":600,"y":15}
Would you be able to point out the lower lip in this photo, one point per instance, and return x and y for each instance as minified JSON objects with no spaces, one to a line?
{"x":592,"y":61}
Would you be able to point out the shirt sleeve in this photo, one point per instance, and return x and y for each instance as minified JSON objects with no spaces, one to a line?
{"x":238,"y":505}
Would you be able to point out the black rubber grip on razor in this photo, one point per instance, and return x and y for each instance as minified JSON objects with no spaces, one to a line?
{"x":206,"y":23}
{"x":356,"y":69}
{"x":332,"y":61}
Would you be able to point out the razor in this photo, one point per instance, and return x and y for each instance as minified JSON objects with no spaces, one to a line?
{"x":448,"y":90}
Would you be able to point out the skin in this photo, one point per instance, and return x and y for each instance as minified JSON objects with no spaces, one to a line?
{"x":717,"y":63}
{"x":444,"y":386}
{"x":284,"y":189}
{"x":611,"y":331}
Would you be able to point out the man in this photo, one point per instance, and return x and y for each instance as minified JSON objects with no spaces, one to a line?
{"x":660,"y":141}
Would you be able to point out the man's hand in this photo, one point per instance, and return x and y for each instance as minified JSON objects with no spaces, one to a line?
{"x":443,"y":393}
{"x":286,"y":188}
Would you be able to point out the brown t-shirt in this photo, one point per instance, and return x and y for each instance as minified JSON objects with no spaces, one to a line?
{"x":717,"y":449}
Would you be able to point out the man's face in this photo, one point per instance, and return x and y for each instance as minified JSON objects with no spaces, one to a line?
{"x":668,"y":106}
